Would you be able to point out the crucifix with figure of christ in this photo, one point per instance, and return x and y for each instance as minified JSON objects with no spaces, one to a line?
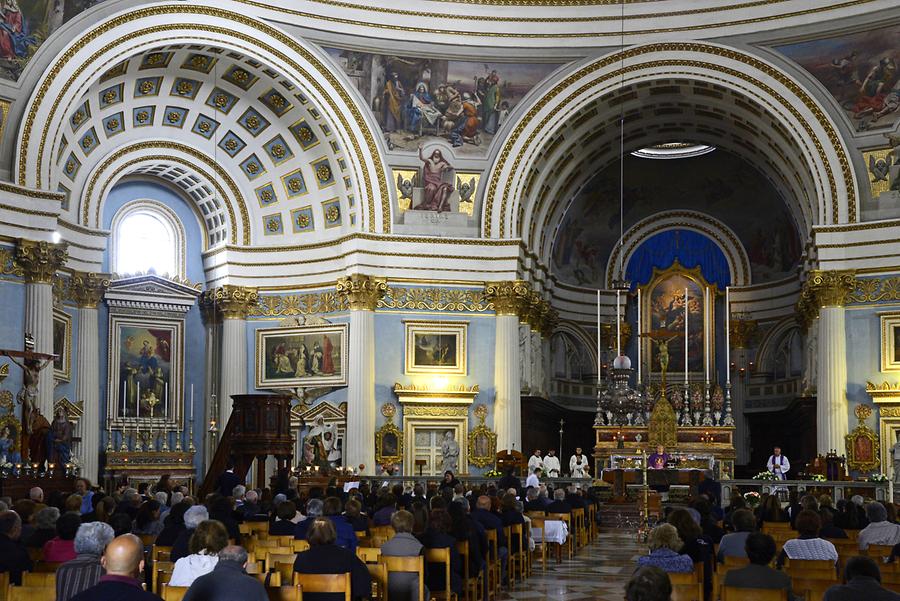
{"x":662,"y":338}
{"x":32,"y":363}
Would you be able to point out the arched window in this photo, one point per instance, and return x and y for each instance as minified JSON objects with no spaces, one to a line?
{"x":147,"y":236}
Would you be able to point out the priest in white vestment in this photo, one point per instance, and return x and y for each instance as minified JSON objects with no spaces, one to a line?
{"x":778,"y":464}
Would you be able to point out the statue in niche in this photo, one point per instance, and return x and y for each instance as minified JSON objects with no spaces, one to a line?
{"x":450,"y":452}
{"x":59,"y":442}
{"x":811,"y":360}
{"x":524,"y":345}
{"x":437,"y":191}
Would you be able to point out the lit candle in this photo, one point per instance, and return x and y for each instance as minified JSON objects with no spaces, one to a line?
{"x":728,"y":334}
{"x":598,"y":337}
{"x":638,"y":335}
{"x":124,"y":396}
{"x":618,"y":328}
{"x":686,"y":337}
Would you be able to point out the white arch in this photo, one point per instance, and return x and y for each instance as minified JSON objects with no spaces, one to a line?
{"x":823,"y":151}
{"x":132,"y":31}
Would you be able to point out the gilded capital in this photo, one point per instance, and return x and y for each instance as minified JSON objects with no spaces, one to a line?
{"x":828,"y":288}
{"x":232,"y":302}
{"x":361,"y":292}
{"x":87,"y":289}
{"x":40,"y":260}
{"x":743,"y":332}
{"x":549,"y":321}
{"x":509,"y":297}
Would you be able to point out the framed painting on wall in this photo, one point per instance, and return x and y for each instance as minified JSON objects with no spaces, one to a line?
{"x":145,"y":368}
{"x":890,"y":341}
{"x":436,"y":347}
{"x":62,"y":345}
{"x":302,"y":356}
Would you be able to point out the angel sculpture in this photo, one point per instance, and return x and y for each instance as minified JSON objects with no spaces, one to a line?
{"x":466,"y":189}
{"x":879,"y":168}
{"x":405,"y":186}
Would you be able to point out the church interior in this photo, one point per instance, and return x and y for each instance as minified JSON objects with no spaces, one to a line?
{"x":320,"y":245}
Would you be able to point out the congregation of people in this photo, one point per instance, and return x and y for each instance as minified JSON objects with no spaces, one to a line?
{"x":99,"y":544}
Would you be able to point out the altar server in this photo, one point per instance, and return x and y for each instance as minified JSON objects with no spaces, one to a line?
{"x":778,"y":464}
{"x":551,"y":464}
{"x":578,"y":465}
{"x":535,"y":461}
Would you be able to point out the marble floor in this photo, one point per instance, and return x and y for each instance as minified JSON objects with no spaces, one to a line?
{"x":598,"y":572}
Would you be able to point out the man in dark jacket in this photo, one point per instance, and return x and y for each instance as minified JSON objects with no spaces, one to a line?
{"x":124,"y":562}
{"x":228,"y":580}
{"x":325,"y":557}
{"x":346,"y":536}
{"x":863,"y":582}
{"x":192,"y":519}
{"x":13,"y":556}
{"x":509,"y":481}
{"x":559,"y":504}
{"x":227,"y":480}
{"x":760,"y":550}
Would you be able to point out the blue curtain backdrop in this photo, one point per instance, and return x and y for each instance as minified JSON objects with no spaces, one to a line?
{"x":688,"y":247}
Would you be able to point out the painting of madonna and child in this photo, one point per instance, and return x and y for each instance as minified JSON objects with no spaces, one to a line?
{"x":301,"y":356}
{"x":418,"y":99}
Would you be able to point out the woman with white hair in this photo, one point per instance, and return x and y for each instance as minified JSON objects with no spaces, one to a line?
{"x":879,"y":531}
{"x":85,"y":570}
{"x":665,"y":546}
{"x":193,"y":517}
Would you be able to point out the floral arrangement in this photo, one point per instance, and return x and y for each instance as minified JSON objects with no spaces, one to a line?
{"x":752,"y":499}
{"x":766,"y":476}
{"x":878,"y":478}
{"x":492,"y":474}
{"x":817,"y":478}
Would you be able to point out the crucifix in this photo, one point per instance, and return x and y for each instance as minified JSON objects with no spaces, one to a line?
{"x":31,"y":363}
{"x":662,"y":338}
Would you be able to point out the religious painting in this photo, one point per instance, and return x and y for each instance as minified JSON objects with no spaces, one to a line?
{"x":420,"y":99}
{"x":301,"y":356}
{"x":482,"y":445}
{"x":890,"y":341}
{"x":664,"y":315}
{"x":436,"y":347}
{"x":720,"y":185}
{"x":62,"y":345}
{"x":863,"y":452}
{"x":26,"y":24}
{"x":388,"y":444}
{"x":145,"y":368}
{"x":859,"y":70}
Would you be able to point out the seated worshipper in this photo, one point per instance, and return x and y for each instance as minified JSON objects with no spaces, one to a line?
{"x":760,"y":550}
{"x":649,"y":583}
{"x":509,"y":480}
{"x":313,"y":510}
{"x":697,"y":546}
{"x":438,"y":536}
{"x":828,"y":529}
{"x":193,"y":517}
{"x":805,"y":502}
{"x":283,"y":524}
{"x":346,"y":536}
{"x":353,"y":513}
{"x":770,"y":511}
{"x":148,"y":519}
{"x":83,"y":488}
{"x":708,"y":524}
{"x":808,"y":545}
{"x":325,"y":557}
{"x":208,"y":539}
{"x":863,"y":581}
{"x":664,"y":551}
{"x":384,"y":509}
{"x":403,"y":585}
{"x":879,"y":531}
{"x":13,"y":556}
{"x":534,"y":478}
{"x":222,"y":509}
{"x":559,"y":504}
{"x":44,"y":528}
{"x":659,"y":459}
{"x":121,"y":523}
{"x":465,"y":529}
{"x":532,"y":500}
{"x":228,"y":580}
{"x":62,"y":547}
{"x":732,"y":545}
{"x":173,"y":524}
{"x":123,"y":561}
{"x":163,"y":499}
{"x":251,"y":510}
{"x":85,"y":570}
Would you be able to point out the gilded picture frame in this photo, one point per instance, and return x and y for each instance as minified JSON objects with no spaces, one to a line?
{"x":890,"y":342}
{"x":389,"y":444}
{"x":62,"y":345}
{"x":302,"y":356}
{"x":482,"y":446}
{"x":436,"y":347}
{"x":863,"y":449}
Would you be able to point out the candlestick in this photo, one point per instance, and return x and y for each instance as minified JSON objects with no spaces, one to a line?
{"x":706,"y":333}
{"x":686,"y":311}
{"x":124,"y":397}
{"x":191,"y":447}
{"x":598,"y":337}
{"x":109,"y":445}
{"x":728,"y":336}
{"x":618,"y":327}
{"x":639,"y":341}
{"x":192,"y":402}
{"x":137,"y":405}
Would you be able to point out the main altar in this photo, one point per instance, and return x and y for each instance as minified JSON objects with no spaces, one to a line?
{"x":688,"y":413}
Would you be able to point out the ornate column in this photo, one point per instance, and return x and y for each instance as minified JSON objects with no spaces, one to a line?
{"x":824,"y":294}
{"x":87,"y":289}
{"x":39,"y":262}
{"x":509,"y":298}
{"x":361,"y":293}
{"x":234,"y":303}
{"x":203,"y":414}
{"x":743,"y":333}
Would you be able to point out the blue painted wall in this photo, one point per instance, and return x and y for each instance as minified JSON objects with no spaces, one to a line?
{"x":12,"y":331}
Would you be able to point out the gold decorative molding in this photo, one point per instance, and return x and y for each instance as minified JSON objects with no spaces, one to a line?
{"x":362,"y":292}
{"x":862,"y":448}
{"x":87,"y":289}
{"x":445,"y":394}
{"x":299,"y":304}
{"x":8,"y":265}
{"x":482,"y":441}
{"x":430,"y":411}
{"x":233,"y":302}
{"x":823,"y":288}
{"x":743,"y":332}
{"x":434,"y":299}
{"x":388,"y":438}
{"x":873,"y":290}
{"x":40,"y":260}
{"x":889,"y":411}
{"x":885,"y":392}
{"x":509,"y":297}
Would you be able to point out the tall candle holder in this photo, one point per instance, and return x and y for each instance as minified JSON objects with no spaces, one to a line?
{"x":191,"y":447}
{"x":688,"y":419}
{"x":124,"y":446}
{"x":109,"y":444}
{"x":729,"y":418}
{"x":178,"y":435}
{"x":165,"y":440}
{"x":707,"y":409}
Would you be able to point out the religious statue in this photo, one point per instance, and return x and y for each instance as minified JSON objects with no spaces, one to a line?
{"x":895,"y":455}
{"x":37,"y":439}
{"x":59,"y":438}
{"x":810,"y":360}
{"x":28,"y":396}
{"x":450,"y":452}
{"x":437,"y":191}
{"x":662,"y":347}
